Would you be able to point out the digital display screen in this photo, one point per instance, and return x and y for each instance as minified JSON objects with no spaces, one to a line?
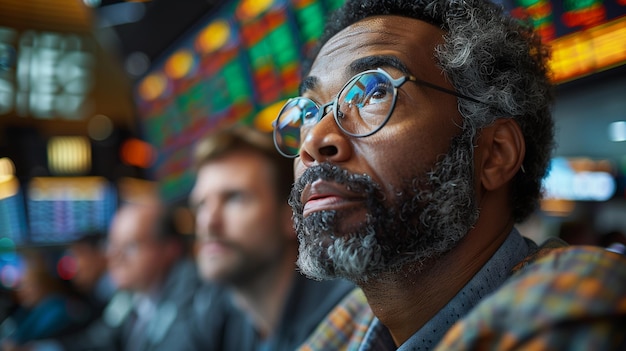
{"x":12,"y":213}
{"x":586,"y":36}
{"x":61,"y":209}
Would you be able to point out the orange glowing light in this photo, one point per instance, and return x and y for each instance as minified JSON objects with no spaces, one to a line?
{"x":138,"y":153}
{"x":153,"y":86}
{"x":265,"y":118}
{"x":249,"y":9}
{"x":179,"y":64}
{"x":213,"y":37}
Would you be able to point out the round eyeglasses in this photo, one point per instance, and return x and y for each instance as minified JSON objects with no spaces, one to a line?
{"x":362,"y":107}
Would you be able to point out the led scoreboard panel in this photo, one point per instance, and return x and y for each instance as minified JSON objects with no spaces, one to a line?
{"x":586,"y":36}
{"x":237,"y":66}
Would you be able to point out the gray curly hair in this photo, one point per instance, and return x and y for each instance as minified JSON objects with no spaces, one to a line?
{"x":490,"y":57}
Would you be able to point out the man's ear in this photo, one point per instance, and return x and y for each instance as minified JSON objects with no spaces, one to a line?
{"x":502,"y":155}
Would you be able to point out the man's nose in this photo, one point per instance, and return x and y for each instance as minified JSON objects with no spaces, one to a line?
{"x":208,"y":221}
{"x":325,"y":141}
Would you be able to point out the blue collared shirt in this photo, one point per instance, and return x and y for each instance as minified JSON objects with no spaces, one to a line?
{"x":492,"y":275}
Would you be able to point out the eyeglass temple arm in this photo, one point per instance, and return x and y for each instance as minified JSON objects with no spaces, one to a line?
{"x":442,"y":89}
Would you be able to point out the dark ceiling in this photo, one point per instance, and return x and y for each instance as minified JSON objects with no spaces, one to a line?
{"x":152,"y":26}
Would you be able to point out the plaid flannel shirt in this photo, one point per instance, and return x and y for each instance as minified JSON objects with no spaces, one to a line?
{"x":572,"y":299}
{"x":558,"y":298}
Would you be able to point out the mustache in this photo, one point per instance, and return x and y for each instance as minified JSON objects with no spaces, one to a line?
{"x":358,"y":183}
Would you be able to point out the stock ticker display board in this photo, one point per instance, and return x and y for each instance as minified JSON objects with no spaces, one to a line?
{"x":585,"y":36}
{"x":241,"y":63}
{"x":236,"y":66}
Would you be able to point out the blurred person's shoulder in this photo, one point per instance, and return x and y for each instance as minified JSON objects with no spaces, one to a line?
{"x":321,"y":294}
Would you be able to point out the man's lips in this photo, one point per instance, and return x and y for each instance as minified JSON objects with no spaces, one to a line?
{"x":213,"y":247}
{"x":323,"y":196}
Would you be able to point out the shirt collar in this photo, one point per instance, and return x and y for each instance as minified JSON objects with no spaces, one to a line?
{"x":489,"y":278}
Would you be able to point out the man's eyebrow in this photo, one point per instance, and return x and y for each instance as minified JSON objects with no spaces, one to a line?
{"x":308,"y":83}
{"x":359,"y":65}
{"x":378,"y":61}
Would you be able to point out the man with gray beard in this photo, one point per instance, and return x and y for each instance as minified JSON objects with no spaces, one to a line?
{"x":420,"y":137}
{"x":444,"y":200}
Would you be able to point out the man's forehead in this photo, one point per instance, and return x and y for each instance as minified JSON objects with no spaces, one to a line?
{"x":383,"y":29}
{"x":410,"y":41}
{"x":229,"y":174}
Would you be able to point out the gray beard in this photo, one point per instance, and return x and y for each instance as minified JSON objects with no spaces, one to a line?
{"x":427,"y":217}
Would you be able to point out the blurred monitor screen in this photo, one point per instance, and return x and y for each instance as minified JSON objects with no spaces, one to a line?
{"x":12,"y":213}
{"x":60,"y":209}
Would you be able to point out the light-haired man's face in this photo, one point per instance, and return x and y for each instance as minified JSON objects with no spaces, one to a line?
{"x":241,"y":226}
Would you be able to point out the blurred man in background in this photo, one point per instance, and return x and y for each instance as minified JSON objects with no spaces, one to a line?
{"x":92,"y":276}
{"x":157,"y":282}
{"x":246,"y":241}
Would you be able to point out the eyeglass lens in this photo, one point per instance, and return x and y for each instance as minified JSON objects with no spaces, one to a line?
{"x":365,"y":103}
{"x":362,"y":107}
